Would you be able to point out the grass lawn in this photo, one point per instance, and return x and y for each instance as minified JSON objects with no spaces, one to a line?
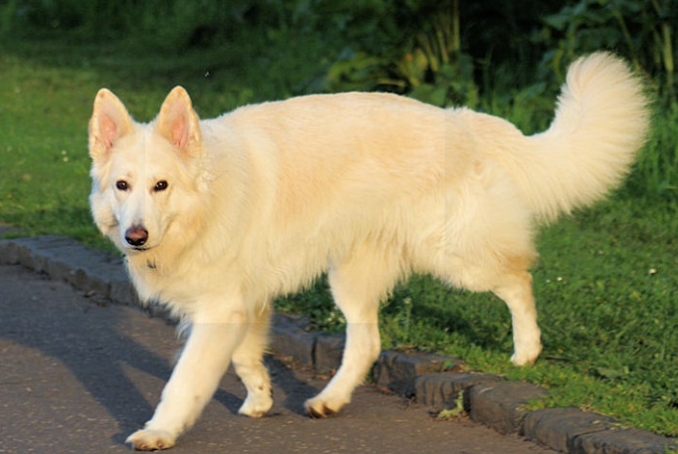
{"x":605,"y":281}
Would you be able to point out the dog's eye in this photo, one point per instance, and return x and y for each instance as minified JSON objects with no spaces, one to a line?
{"x":160,"y":186}
{"x":121,"y":185}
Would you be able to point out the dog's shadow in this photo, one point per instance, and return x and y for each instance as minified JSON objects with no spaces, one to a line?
{"x":294,"y":390}
{"x":113,"y":356}
{"x":92,"y":342}
{"x":290,"y":392}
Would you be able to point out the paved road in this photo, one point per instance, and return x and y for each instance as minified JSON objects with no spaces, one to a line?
{"x":77,"y":376}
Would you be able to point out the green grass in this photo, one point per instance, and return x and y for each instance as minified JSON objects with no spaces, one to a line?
{"x":43,"y":159}
{"x":605,"y":286}
{"x":46,"y":98}
{"x":605,"y":281}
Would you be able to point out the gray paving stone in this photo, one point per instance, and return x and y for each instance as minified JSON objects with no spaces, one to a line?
{"x":440,"y":391}
{"x":623,"y":441}
{"x":398,"y":371}
{"x":90,"y":270}
{"x":12,"y":252}
{"x":559,"y":428}
{"x":501,"y":405}
{"x":329,"y":349}
{"x":289,"y":338}
{"x":123,"y":292}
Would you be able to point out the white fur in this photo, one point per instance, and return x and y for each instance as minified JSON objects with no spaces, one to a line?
{"x":371,"y":187}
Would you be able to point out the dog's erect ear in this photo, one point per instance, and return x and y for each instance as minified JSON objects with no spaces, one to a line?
{"x":178,"y":122}
{"x":109,"y":123}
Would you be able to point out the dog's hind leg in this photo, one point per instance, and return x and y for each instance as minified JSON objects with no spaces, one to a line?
{"x":516,"y":291}
{"x":248,"y":363}
{"x":358,"y":285}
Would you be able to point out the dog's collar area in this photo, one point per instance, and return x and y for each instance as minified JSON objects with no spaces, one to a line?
{"x":150,"y":264}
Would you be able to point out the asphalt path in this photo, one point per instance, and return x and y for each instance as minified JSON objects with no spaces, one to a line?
{"x":77,"y":375}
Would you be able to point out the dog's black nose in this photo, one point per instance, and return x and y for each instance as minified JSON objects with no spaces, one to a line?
{"x":136,"y":236}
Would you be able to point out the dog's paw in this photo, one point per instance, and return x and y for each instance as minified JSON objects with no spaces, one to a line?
{"x":318,"y":408}
{"x":256,"y":407}
{"x":526,"y":356}
{"x":150,"y":440}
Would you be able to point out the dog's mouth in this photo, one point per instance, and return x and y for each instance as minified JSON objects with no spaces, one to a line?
{"x":140,"y":248}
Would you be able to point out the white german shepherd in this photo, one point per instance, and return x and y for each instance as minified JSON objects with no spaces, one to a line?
{"x":218,"y":217}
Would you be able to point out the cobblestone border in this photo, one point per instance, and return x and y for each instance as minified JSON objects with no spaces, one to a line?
{"x":434,"y":380}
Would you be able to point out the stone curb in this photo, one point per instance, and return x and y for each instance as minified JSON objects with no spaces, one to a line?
{"x":434,"y":380}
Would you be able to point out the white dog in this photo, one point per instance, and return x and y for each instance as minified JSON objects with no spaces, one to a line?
{"x":218,"y":217}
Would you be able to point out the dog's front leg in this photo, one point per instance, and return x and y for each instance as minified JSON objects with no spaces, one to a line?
{"x":196,"y":376}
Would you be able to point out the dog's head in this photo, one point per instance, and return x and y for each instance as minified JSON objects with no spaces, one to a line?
{"x":143,"y":175}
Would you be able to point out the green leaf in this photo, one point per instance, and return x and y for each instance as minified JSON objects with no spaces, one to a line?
{"x":432,"y":94}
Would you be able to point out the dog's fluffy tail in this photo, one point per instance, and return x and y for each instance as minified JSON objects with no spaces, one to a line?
{"x":601,"y":121}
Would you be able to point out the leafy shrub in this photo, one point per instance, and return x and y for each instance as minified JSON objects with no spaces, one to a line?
{"x":642,"y":31}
